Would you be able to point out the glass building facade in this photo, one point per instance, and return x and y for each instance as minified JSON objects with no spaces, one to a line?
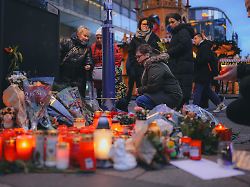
{"x":74,"y":13}
{"x":213,"y":21}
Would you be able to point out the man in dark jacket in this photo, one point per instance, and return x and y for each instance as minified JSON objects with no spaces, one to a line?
{"x":159,"y":86}
{"x":202,"y":74}
{"x":144,"y":35}
{"x":181,"y":55}
{"x":76,"y":59}
{"x":238,"y":110}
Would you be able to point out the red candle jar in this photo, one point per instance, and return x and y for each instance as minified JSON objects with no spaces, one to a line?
{"x":8,"y":133}
{"x":62,"y":128}
{"x":185,"y":145}
{"x":87,"y":129}
{"x":195,"y":150}
{"x":10,"y":150}
{"x":87,"y":158}
{"x":97,"y":115}
{"x":19,"y":131}
{"x":24,"y":146}
{"x":74,"y":150}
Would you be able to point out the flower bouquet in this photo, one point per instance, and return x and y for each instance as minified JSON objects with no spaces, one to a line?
{"x":37,"y":96}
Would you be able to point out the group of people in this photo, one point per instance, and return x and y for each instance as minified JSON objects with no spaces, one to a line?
{"x":161,"y":78}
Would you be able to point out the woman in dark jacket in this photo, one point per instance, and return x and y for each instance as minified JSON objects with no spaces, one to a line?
{"x":159,"y":86}
{"x":181,"y":55}
{"x":144,"y":35}
{"x":76,"y":59}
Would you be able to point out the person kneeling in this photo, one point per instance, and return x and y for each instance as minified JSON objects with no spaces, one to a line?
{"x":159,"y":85}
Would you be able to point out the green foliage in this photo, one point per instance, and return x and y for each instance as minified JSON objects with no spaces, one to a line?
{"x":16,"y":57}
{"x":195,"y":128}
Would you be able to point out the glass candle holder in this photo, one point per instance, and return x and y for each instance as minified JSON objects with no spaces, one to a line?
{"x":195,"y":150}
{"x":38,"y":156}
{"x":10,"y":150}
{"x":62,"y":155}
{"x":24,"y":147}
{"x":51,"y":148}
{"x":87,"y":158}
{"x":185,"y":145}
{"x":102,"y":143}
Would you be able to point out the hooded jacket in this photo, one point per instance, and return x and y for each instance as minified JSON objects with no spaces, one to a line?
{"x":159,"y":83}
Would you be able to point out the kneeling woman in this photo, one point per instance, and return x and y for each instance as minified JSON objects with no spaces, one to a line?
{"x":159,"y":86}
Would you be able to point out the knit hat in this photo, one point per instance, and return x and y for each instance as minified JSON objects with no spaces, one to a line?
{"x":176,"y":16}
{"x":99,"y":31}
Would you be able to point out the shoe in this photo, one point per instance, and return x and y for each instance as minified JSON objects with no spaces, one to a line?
{"x":220,"y":107}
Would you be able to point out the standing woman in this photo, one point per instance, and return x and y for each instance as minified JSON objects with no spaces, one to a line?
{"x":144,"y":35}
{"x":181,"y":56}
{"x":76,"y":59}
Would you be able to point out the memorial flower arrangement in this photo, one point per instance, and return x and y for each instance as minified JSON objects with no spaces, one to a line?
{"x":15,"y":56}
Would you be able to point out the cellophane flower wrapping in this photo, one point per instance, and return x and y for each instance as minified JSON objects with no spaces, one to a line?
{"x":71,"y":99}
{"x":37,"y":97}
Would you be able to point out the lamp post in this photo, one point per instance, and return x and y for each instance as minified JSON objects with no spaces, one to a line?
{"x":108,"y":82}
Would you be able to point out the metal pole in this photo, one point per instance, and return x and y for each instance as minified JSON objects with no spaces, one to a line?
{"x":108,"y":81}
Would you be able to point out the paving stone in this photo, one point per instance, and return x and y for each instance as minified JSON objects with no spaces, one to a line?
{"x":177,"y":177}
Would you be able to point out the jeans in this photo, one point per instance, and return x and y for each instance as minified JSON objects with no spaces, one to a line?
{"x":201,"y":89}
{"x":145,"y":102}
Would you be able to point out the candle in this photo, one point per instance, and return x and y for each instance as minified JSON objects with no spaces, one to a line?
{"x":38,"y":156}
{"x":10,"y":150}
{"x":62,"y":155}
{"x":24,"y":147}
{"x":87,"y":129}
{"x":97,"y":114}
{"x":51,"y":148}
{"x":219,"y":128}
{"x":117,"y":128}
{"x":74,"y":150}
{"x":102,"y":142}
{"x":87,"y":158}
{"x":79,"y":122}
{"x":185,"y":144}
{"x":195,"y":150}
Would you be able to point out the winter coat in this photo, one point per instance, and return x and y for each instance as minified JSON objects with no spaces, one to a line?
{"x":180,"y":50}
{"x":132,"y":66}
{"x":181,"y":57}
{"x":97,"y":54}
{"x":159,"y":83}
{"x":75,"y":54}
{"x":205,"y":57}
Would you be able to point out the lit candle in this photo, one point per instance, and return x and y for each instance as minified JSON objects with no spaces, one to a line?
{"x":103,"y":142}
{"x":62,"y":155}
{"x":10,"y":150}
{"x":24,"y":147}
{"x":87,"y":129}
{"x":87,"y":158}
{"x":97,"y":115}
{"x":102,"y":139}
{"x":219,"y":128}
{"x":79,"y":122}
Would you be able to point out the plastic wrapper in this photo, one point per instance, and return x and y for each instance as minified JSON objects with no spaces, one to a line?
{"x":13,"y":96}
{"x":201,"y":113}
{"x":37,"y":97}
{"x":71,"y":99}
{"x":56,"y":109}
{"x":92,"y":102}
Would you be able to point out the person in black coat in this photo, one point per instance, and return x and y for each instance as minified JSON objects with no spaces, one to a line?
{"x":144,"y":35}
{"x":181,"y":55}
{"x":238,"y":110}
{"x":159,"y":86}
{"x":76,"y":59}
{"x":202,"y":74}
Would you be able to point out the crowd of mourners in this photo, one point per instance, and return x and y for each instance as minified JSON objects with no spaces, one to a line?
{"x":160,"y":77}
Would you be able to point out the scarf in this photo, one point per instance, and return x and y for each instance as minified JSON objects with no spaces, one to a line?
{"x":143,"y":34}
